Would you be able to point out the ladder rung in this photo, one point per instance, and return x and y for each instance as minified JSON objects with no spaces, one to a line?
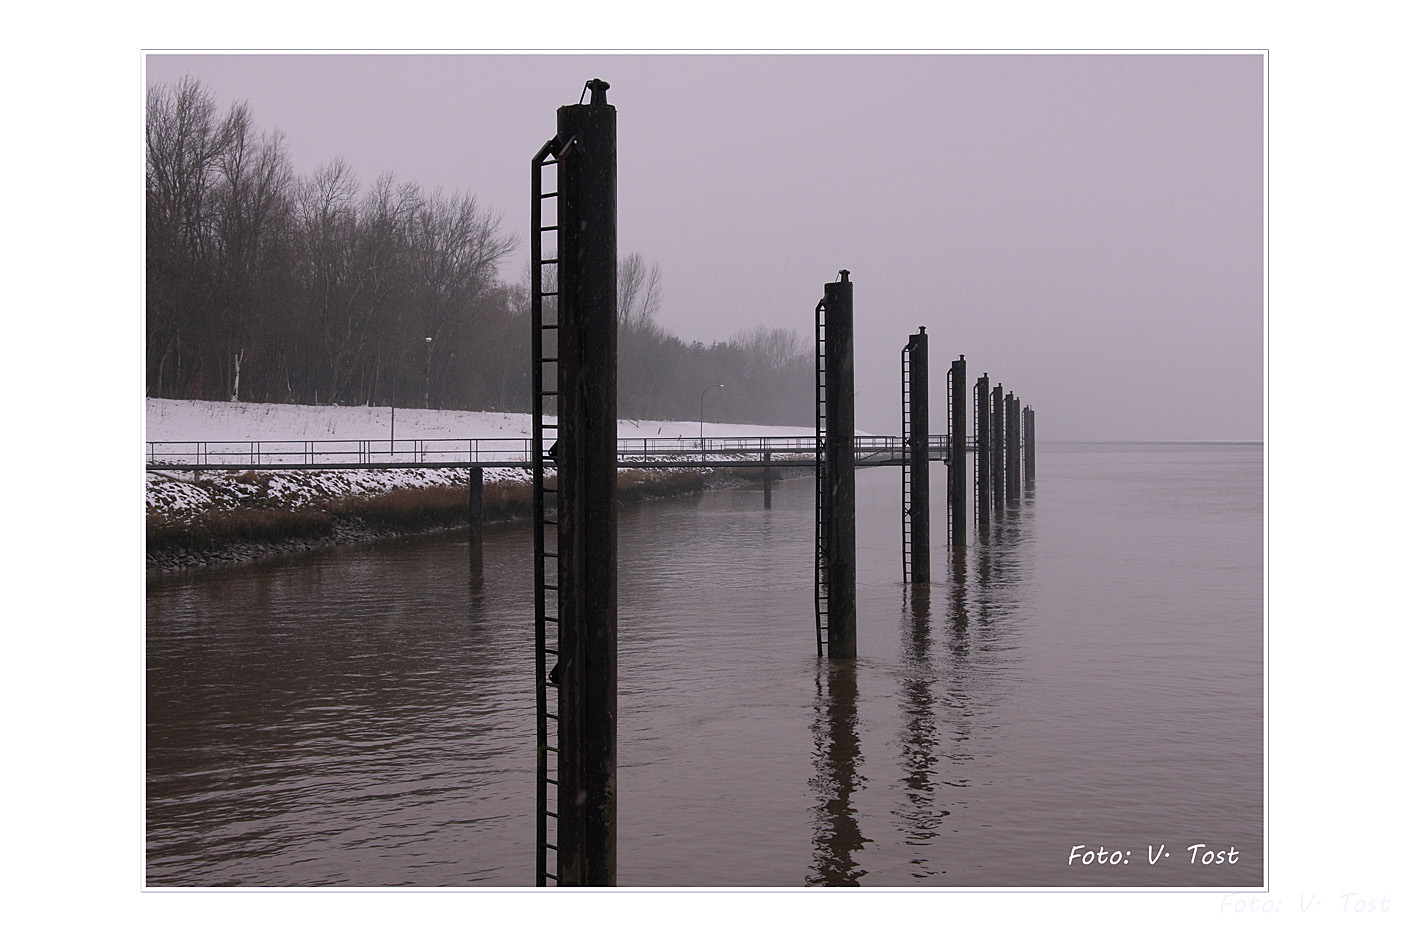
{"x":547,"y":195}
{"x":548,"y":261}
{"x":548,"y":228}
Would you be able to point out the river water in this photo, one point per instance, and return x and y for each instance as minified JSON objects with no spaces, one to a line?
{"x":1088,"y":673}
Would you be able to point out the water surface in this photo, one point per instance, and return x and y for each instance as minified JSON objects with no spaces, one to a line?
{"x":1086,"y":672}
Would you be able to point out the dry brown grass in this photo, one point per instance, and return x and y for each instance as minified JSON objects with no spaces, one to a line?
{"x":405,"y":510}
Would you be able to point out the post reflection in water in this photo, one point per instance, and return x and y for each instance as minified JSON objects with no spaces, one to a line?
{"x":943,"y":688}
{"x":837,"y":754}
{"x":921,"y":734}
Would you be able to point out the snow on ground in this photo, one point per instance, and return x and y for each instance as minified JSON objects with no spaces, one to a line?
{"x":172,"y":420}
{"x":177,"y":496}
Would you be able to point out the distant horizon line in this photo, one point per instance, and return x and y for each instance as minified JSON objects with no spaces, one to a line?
{"x":1243,"y":443}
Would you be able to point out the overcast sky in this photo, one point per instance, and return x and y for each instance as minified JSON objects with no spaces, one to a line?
{"x":1087,"y":229}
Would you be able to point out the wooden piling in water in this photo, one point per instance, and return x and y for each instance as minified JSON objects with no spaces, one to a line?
{"x":587,"y":492}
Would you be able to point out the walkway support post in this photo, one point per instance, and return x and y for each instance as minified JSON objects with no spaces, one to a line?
{"x":477,"y":505}
{"x":768,"y":481}
{"x":587,"y":491}
{"x":918,"y":455}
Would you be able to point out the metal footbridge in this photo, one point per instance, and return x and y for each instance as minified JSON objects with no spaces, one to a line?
{"x":445,"y":453}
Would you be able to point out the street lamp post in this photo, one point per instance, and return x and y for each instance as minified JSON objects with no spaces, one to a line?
{"x":426,"y":400}
{"x":702,"y":412}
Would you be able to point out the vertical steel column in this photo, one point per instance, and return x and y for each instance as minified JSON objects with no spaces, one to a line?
{"x":999,"y":441}
{"x":841,"y":454}
{"x":768,"y":481}
{"x":477,"y":505}
{"x":982,"y":446}
{"x":587,"y":483}
{"x":1030,"y":463}
{"x":919,"y":456}
{"x":959,"y":453}
{"x":1010,"y":447}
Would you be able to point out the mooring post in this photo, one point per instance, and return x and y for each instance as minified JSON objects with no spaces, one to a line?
{"x":958,"y":456}
{"x":981,"y":447}
{"x":477,"y":505}
{"x":587,"y":491}
{"x":840,"y":454}
{"x":998,"y":442}
{"x":919,"y":456}
{"x":768,"y":481}
{"x":1030,"y":462}
{"x":1010,"y":447}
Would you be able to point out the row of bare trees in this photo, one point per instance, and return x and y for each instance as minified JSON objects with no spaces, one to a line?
{"x":266,"y":286}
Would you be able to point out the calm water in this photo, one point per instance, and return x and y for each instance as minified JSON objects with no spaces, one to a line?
{"x":1089,"y":672}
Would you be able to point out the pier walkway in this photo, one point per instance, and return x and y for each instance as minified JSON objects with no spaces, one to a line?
{"x":643,"y":452}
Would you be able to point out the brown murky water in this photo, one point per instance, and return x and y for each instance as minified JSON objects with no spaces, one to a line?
{"x":1088,"y":673}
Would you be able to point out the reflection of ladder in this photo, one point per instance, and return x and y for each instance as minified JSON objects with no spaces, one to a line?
{"x":544,"y":312}
{"x":906,"y":449}
{"x":824,"y":496}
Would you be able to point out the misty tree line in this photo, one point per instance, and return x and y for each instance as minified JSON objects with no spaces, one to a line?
{"x":270,"y":287}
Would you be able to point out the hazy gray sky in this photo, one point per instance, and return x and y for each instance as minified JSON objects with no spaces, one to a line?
{"x":1087,"y":229}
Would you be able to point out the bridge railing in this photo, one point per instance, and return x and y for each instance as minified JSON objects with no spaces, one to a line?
{"x":512,"y":452}
{"x":274,"y":454}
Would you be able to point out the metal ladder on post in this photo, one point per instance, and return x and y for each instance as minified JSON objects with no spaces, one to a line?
{"x":546,"y":611}
{"x":824,"y":496}
{"x":974,"y":397}
{"x":906,"y":449}
{"x":953,"y":451}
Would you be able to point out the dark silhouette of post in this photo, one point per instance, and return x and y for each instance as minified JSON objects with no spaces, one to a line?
{"x":840,"y":458}
{"x":1011,"y":430}
{"x":768,"y":481}
{"x":918,"y":454}
{"x":1030,"y":462}
{"x":998,"y":441}
{"x":587,"y":491}
{"x":982,"y":447}
{"x":957,"y":457}
{"x":477,"y":505}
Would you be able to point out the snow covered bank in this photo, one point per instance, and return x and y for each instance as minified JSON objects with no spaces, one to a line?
{"x":220,"y":515}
